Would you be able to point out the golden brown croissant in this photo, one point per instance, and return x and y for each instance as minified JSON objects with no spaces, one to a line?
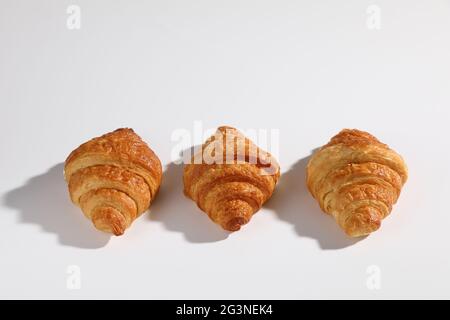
{"x":230,"y":178}
{"x":113,"y":179}
{"x":356,"y":179}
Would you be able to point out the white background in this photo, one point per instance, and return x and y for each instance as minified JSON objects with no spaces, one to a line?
{"x":307,"y":68}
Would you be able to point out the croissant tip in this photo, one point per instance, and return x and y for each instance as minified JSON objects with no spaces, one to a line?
{"x":235,"y":224}
{"x":225,"y":128}
{"x":109,"y":220}
{"x":355,"y":228}
{"x":124,"y":129}
{"x":117,"y":230}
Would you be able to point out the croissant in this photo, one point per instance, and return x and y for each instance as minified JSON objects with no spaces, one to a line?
{"x":230,"y":178}
{"x":356,"y":179}
{"x":113,"y":179}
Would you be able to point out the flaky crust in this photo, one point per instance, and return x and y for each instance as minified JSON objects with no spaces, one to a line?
{"x":356,"y":179}
{"x":113,"y":179}
{"x":230,"y":192}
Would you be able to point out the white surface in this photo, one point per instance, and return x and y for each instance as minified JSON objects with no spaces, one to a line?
{"x":308,"y":68}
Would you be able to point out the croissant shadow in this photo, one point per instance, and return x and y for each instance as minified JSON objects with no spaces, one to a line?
{"x":180,"y":214}
{"x":44,"y":201}
{"x":293,"y":203}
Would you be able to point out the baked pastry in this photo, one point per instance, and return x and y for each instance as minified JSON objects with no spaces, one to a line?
{"x":113,"y":179}
{"x":356,"y":179}
{"x":230,"y":178}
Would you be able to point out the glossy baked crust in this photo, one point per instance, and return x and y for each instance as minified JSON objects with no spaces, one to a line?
{"x":113,"y":179}
{"x":230,"y":192}
{"x":356,"y":179}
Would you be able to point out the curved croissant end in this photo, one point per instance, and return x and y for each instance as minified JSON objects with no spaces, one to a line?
{"x":230,"y":178}
{"x":356,"y":179}
{"x":113,"y":179}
